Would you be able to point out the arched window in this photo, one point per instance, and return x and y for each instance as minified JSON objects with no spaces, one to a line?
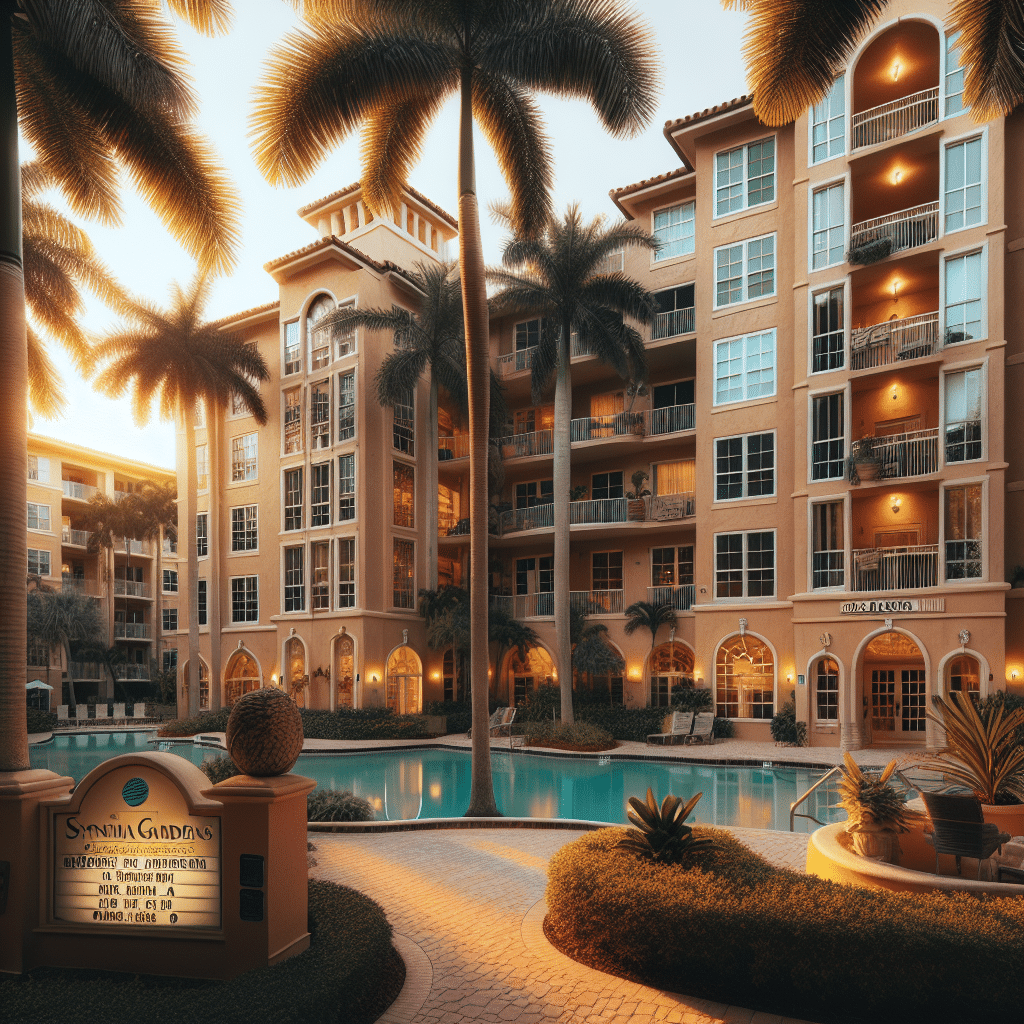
{"x":319,"y":341}
{"x":537,"y":670}
{"x":826,"y":689}
{"x":295,"y":668}
{"x":242,"y":676}
{"x":671,"y":668}
{"x":965,"y":675}
{"x":745,"y":679}
{"x":404,"y":689}
{"x":344,"y":669}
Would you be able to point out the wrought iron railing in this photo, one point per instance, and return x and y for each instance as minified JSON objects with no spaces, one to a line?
{"x":899,"y":568}
{"x":895,"y":340}
{"x":681,"y":598}
{"x":456,"y":447}
{"x":912,"y":454}
{"x":895,"y":119}
{"x":905,"y":229}
{"x":518,"y":446}
{"x":672,"y":323}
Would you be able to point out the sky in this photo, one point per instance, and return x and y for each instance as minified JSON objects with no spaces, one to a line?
{"x":698,"y":46}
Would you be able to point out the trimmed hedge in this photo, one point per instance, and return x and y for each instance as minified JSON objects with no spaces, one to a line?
{"x":340,"y":979}
{"x":578,"y":736}
{"x":205,"y":721}
{"x":458,"y":712}
{"x":41,"y":721}
{"x":343,"y":724}
{"x":728,"y":926}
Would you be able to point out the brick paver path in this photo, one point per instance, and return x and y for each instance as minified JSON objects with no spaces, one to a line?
{"x":467,"y":909}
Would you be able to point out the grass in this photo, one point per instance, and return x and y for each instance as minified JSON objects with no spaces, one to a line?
{"x":728,"y":926}
{"x":349,"y":975}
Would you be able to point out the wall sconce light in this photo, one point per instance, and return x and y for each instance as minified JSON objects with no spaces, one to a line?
{"x":895,"y":501}
{"x":435,"y":675}
{"x":1013,"y":674}
{"x":789,"y":678}
{"x":897,"y":175}
{"x":634,"y":673}
{"x":896,"y":71}
{"x":375,"y":679}
{"x":895,"y":290}
{"x":895,"y":393}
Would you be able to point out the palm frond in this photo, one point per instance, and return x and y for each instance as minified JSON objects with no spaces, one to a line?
{"x":45,"y":385}
{"x":208,"y":17}
{"x":398,"y":375}
{"x":992,"y":49}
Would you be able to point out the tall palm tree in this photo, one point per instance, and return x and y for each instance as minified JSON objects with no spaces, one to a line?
{"x":508,"y":633}
{"x":96,"y":87}
{"x":175,"y":356}
{"x":158,"y":518}
{"x":388,"y":66}
{"x":795,"y":48}
{"x":558,"y":276}
{"x":650,"y":615}
{"x":593,"y":654}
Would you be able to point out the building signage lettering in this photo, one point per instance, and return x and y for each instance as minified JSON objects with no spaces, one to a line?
{"x":885,"y":607}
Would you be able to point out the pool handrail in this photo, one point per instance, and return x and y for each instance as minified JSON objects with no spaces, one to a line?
{"x":793,"y":815}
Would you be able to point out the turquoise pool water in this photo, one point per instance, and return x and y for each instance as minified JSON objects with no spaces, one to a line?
{"x":404,"y":784}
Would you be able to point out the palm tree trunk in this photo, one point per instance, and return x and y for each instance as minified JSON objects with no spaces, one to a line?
{"x":13,"y":431}
{"x":213,"y":586}
{"x":431,"y":517}
{"x":191,"y":487}
{"x":72,"y":702}
{"x":560,"y":484}
{"x":158,"y":603}
{"x":474,"y":301}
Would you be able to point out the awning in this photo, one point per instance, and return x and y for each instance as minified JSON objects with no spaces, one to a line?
{"x":38,"y":684}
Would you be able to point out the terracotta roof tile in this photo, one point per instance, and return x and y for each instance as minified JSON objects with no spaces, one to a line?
{"x":703,"y":115}
{"x":265,"y":308}
{"x":679,"y":172}
{"x":444,"y":214}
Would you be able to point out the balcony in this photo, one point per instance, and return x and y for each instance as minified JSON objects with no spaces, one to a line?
{"x":519,"y":446}
{"x":539,"y":517}
{"x":600,"y":510}
{"x":130,"y":588}
{"x":131,"y":672}
{"x":647,"y":422}
{"x":597,"y":602}
{"x":450,"y":525}
{"x":456,"y":447}
{"x":895,"y":119}
{"x":672,"y":419}
{"x":80,"y":492}
{"x":904,"y":229}
{"x":911,"y":454}
{"x":525,"y":606}
{"x":170,"y":546}
{"x":131,"y":631}
{"x":673,"y":323}
{"x":515,"y":362}
{"x":681,"y":598}
{"x":901,"y":568}
{"x":82,"y":585}
{"x":913,"y":337}
{"x":75,"y":538}
{"x":87,"y":670}
{"x":125,"y":545}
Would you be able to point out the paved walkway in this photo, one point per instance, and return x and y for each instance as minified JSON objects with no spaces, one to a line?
{"x":467,"y":906}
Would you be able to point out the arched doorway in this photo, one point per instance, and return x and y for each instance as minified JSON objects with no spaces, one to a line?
{"x":744,"y":678}
{"x":242,"y":675}
{"x":344,"y":671}
{"x":295,"y":669}
{"x":895,"y":690}
{"x":204,"y":684}
{"x":404,"y":684}
{"x":963,"y":673}
{"x":523,"y":677}
{"x":670,"y":666}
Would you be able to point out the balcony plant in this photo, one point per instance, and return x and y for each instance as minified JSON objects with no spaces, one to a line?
{"x":637,"y":508}
{"x":870,"y":252}
{"x":866,"y":462}
{"x":876,"y":812}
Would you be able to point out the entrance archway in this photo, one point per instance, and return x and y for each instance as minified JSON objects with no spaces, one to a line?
{"x":523,"y":677}
{"x":895,"y":690}
{"x":745,"y":678}
{"x":295,"y":669}
{"x":242,"y":676}
{"x":404,"y":683}
{"x":671,"y":666}
{"x":344,"y":671}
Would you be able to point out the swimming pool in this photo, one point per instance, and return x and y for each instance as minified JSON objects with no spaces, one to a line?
{"x":433,"y":783}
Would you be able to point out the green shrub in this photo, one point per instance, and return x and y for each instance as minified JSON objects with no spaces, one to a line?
{"x":786,"y":729}
{"x":205,"y":721}
{"x":723,"y":729}
{"x":574,"y":736}
{"x":661,"y":832}
{"x":217,"y":769}
{"x":542,"y":705}
{"x":458,"y":712}
{"x":622,"y":722}
{"x":332,"y":805}
{"x":1007,"y":702}
{"x":727,"y":926}
{"x":686,"y":698}
{"x":360,"y":724}
{"x":41,"y":721}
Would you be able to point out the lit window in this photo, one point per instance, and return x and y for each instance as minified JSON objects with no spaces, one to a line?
{"x":954,"y":76}
{"x":828,"y":438}
{"x":672,"y":567}
{"x":826,"y":690}
{"x":828,"y":236}
{"x":202,"y":467}
{"x":293,"y":499}
{"x":828,"y":124}
{"x":170,"y":581}
{"x":346,"y":487}
{"x":346,"y":573}
{"x":744,"y":466}
{"x":963,"y":532}
{"x":320,"y":503}
{"x":346,"y":405}
{"x":963,"y":415}
{"x":745,"y":177}
{"x":404,"y":495}
{"x":963,"y":298}
{"x":39,"y":469}
{"x":745,"y":271}
{"x":828,"y":347}
{"x":319,"y":341}
{"x":38,"y":516}
{"x":38,"y":562}
{"x":745,"y":564}
{"x":744,"y":679}
{"x":292,"y":348}
{"x":404,"y":425}
{"x":320,"y":566}
{"x":963,"y":185}
{"x":745,"y":368}
{"x":243,"y":457}
{"x":169,"y":620}
{"x":294,"y":580}
{"x":404,"y":592}
{"x":293,"y":421}
{"x":320,"y":415}
{"x":245,"y":601}
{"x":674,"y":229}
{"x":244,"y":532}
{"x":828,"y":556}
{"x":201,"y":534}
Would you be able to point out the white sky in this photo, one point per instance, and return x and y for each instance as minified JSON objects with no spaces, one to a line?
{"x":699,"y":48}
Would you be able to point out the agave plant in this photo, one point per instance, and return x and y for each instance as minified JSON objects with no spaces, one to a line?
{"x":981,"y":753}
{"x":661,"y":833}
{"x":871,"y":804}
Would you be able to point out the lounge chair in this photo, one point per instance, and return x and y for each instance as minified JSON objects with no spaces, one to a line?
{"x":102,"y":711}
{"x":82,"y":713}
{"x":139,"y":711}
{"x":62,"y":713}
{"x":678,"y":730}
{"x":703,"y":728}
{"x":504,"y":726}
{"x":961,"y":829}
{"x":493,"y":722}
{"x":119,"y":715}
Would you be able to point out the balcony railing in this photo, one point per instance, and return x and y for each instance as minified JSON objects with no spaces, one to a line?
{"x":681,"y":598}
{"x":593,"y":428}
{"x":896,"y":118}
{"x":82,"y":492}
{"x":87,"y":670}
{"x":904,"y":568}
{"x":905,"y":229}
{"x":675,"y":321}
{"x":77,"y":538}
{"x":515,"y":362}
{"x":449,"y":525}
{"x":126,"y":545}
{"x":597,"y":602}
{"x":137,"y":672}
{"x":82,"y":585}
{"x":518,"y":446}
{"x":170,"y":546}
{"x":131,"y":631}
{"x":456,"y":447}
{"x":911,"y":454}
{"x":601,"y":510}
{"x":130,"y":588}
{"x":672,"y":419}
{"x":538,"y":517}
{"x":896,"y":340}
{"x":578,"y":349}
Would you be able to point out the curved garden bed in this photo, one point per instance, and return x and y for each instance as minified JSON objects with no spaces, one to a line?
{"x":728,"y":926}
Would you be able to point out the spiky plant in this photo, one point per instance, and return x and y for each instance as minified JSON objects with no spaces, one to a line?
{"x":871,"y":804}
{"x":661,"y":833}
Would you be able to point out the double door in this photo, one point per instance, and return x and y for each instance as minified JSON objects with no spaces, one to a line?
{"x":899,"y":703}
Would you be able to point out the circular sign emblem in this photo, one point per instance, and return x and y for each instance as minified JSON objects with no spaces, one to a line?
{"x":135,"y":792}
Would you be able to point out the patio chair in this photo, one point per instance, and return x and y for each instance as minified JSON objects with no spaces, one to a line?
{"x":678,"y":731}
{"x":119,"y":715}
{"x":492,"y":722}
{"x":504,"y":726}
{"x":960,"y":829}
{"x":703,"y":728}
{"x":139,"y":711}
{"x":82,"y":713}
{"x":62,"y":713}
{"x":102,"y":711}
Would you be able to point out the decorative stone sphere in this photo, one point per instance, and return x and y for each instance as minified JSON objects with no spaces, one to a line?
{"x":264,"y":734}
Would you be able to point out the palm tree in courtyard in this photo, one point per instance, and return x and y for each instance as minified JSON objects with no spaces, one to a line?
{"x":795,"y":48}
{"x":560,"y":277}
{"x":388,"y":66}
{"x":96,"y":88}
{"x":650,"y":615}
{"x":157,"y":506}
{"x":509,"y":633}
{"x":175,"y":356}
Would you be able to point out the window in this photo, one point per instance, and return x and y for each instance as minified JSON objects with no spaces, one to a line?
{"x":965,"y":675}
{"x":170,"y":581}
{"x":828,"y":237}
{"x":954,"y":76}
{"x":202,"y":467}
{"x":745,"y":271}
{"x":346,"y":405}
{"x":404,"y":429}
{"x":963,"y":415}
{"x":672,"y":567}
{"x":344,"y":338}
{"x":319,"y":341}
{"x":238,"y":406}
{"x":202,"y":540}
{"x":745,"y":564}
{"x":346,"y":572}
{"x":745,"y":368}
{"x":606,"y":485}
{"x":169,"y":620}
{"x":346,"y":487}
{"x":403,"y":591}
{"x":404,"y":495}
{"x":963,"y":185}
{"x":744,"y":466}
{"x":320,"y":415}
{"x":671,"y":670}
{"x":828,"y":345}
{"x":675,"y":312}
{"x":245,"y":598}
{"x":828,"y":440}
{"x":201,"y":600}
{"x":38,"y":562}
{"x":828,"y":555}
{"x":528,"y":335}
{"x":828,"y":124}
{"x":826,"y":690}
{"x":745,"y":177}
{"x":293,"y":499}
{"x":963,"y":298}
{"x":674,"y":478}
{"x":38,"y":516}
{"x":320,"y":574}
{"x":292,"y":348}
{"x":320,"y":501}
{"x":536,"y":492}
{"x":244,"y":532}
{"x":744,"y":679}
{"x":243,"y":457}
{"x":674,"y":229}
{"x":607,"y":570}
{"x":170,"y":659}
{"x":963,"y":532}
{"x":293,"y":421}
{"x":39,"y":469}
{"x":294,"y":580}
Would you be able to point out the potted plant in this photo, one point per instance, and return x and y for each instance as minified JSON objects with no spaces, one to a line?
{"x":578,"y":493}
{"x":636,"y":510}
{"x":876,"y":813}
{"x":865,"y":460}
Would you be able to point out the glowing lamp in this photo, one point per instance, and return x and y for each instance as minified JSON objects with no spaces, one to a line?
{"x":895,"y":502}
{"x":896,"y":71}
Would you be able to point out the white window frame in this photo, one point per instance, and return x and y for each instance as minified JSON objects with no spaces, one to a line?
{"x":402,"y":517}
{"x":203,"y":534}
{"x":293,"y":441}
{"x":745,"y":554}
{"x":202,"y":467}
{"x":981,"y":137}
{"x":950,"y":47}
{"x":41,"y":555}
{"x":844,"y":327}
{"x":241,"y":471}
{"x":286,"y":586}
{"x":745,"y":467}
{"x":320,"y":429}
{"x":317,"y":364}
{"x":287,"y":508}
{"x":354,"y":582}
{"x":293,"y":346}
{"x":744,"y":180}
{"x":828,"y":120}
{"x":949,"y":370}
{"x":686,"y":241}
{"x":811,"y":397}
{"x":169,"y":661}
{"x":247,"y":583}
{"x":39,"y":469}
{"x":746,"y":339}
{"x":169,"y":583}
{"x":346,"y":431}
{"x":40,"y":519}
{"x":342,"y":481}
{"x":947,"y":258}
{"x":250,"y":524}
{"x":167,"y":614}
{"x":412,"y":589}
{"x":202,"y":602}
{"x":814,"y":231}
{"x":813,"y":685}
{"x":313,"y":487}
{"x":828,"y":499}
{"x":952,"y":485}
{"x":745,"y":271}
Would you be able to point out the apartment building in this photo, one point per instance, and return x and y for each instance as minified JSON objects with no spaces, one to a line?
{"x":138,"y":596}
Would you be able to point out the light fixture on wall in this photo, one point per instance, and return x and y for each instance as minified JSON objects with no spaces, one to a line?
{"x":273,"y":679}
{"x":1013,"y":674}
{"x":895,"y":393}
{"x":375,"y":679}
{"x":895,"y":290}
{"x":897,"y":176}
{"x":895,"y":501}
{"x":896,"y":71}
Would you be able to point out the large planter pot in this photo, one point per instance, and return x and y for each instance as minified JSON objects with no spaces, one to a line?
{"x":883,"y":845}
{"x":867,"y":470}
{"x":636,"y":510}
{"x":1009,"y":817}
